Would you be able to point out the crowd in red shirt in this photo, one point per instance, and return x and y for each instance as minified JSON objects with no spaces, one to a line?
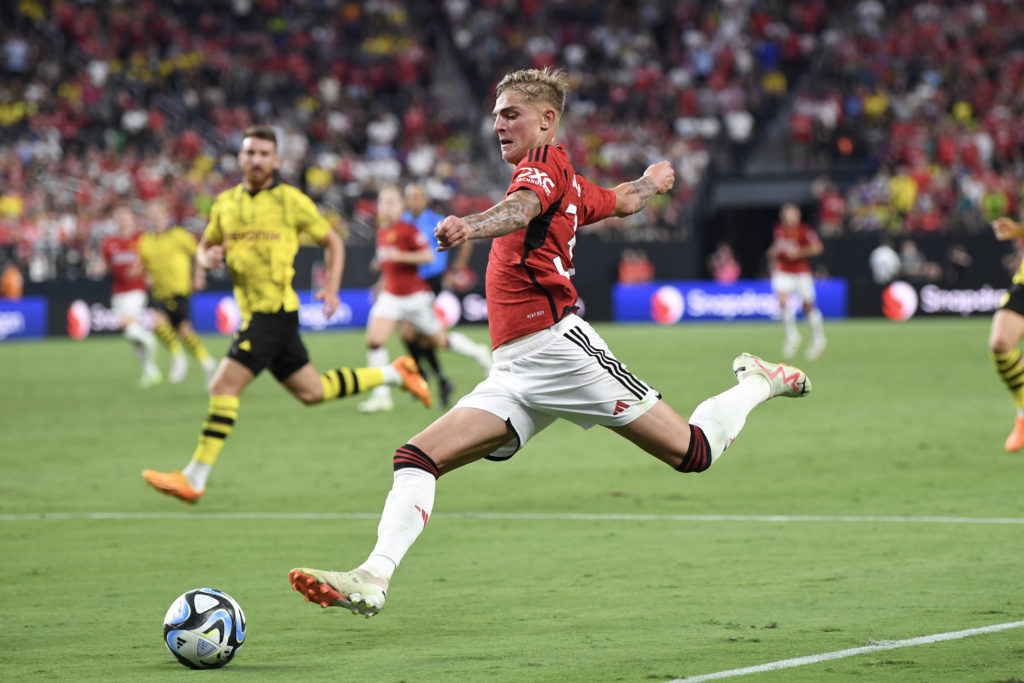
{"x":108,"y":101}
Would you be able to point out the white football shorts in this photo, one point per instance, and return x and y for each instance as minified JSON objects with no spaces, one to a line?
{"x":566,"y":371}
{"x":417,"y":309}
{"x":129,"y":305}
{"x":802,"y":284}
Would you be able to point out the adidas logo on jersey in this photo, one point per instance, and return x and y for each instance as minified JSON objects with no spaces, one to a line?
{"x":536,"y":177}
{"x":619,"y":407}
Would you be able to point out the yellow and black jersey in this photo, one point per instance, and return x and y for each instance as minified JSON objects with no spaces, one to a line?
{"x":260,"y":233}
{"x":167,"y":258}
{"x":1018,"y":277}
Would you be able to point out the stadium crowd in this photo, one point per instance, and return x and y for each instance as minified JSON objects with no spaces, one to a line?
{"x":928,"y":93}
{"x":105,"y":102}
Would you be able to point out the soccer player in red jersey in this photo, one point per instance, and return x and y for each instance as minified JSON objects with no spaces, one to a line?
{"x":128,"y":291}
{"x":405,"y":296}
{"x":793,"y":243}
{"x":548,"y":362}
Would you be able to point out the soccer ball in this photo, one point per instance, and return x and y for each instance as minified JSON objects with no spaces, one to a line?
{"x":204,"y":628}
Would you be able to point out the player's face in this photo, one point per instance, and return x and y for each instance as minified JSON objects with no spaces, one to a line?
{"x":258,"y":160}
{"x":158,"y":216}
{"x":415,"y":199}
{"x":790,"y":216}
{"x":520,"y":125}
{"x":125,"y":220}
{"x":389,"y":206}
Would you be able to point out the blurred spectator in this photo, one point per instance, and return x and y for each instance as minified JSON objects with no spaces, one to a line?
{"x":634,"y":267}
{"x":884,"y":262}
{"x":915,"y":266}
{"x":831,"y":207}
{"x":722,"y":263}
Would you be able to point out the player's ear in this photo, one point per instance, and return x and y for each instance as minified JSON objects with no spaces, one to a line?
{"x":548,"y":119}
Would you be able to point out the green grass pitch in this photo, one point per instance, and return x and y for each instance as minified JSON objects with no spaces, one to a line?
{"x":880,"y":508}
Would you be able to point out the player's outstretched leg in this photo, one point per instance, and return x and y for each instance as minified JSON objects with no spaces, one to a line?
{"x":358,"y":590}
{"x":783,"y":380}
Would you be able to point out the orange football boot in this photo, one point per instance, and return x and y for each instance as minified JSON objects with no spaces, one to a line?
{"x":1015,"y":441}
{"x":173,"y":484}
{"x":412,"y":380}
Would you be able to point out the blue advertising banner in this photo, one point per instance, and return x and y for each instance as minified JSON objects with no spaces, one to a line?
{"x":218,"y":312}
{"x":23,"y":318}
{"x":668,"y":303}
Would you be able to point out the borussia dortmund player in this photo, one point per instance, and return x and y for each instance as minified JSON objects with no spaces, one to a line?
{"x":167,"y":253}
{"x":1007,"y":331}
{"x":254,"y":228}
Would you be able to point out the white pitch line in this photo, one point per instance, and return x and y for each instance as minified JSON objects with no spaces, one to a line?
{"x":554,"y":516}
{"x":842,"y":654}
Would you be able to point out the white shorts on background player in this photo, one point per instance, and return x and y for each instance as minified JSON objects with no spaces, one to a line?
{"x":801,"y":284}
{"x":417,"y":309}
{"x":129,"y":304}
{"x":566,"y":371}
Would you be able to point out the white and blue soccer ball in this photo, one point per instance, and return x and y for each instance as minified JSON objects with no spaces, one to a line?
{"x":204,"y":628}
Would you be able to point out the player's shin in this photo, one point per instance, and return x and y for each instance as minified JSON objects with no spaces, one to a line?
{"x":165,"y":333}
{"x":343,"y":382}
{"x":406,"y":511}
{"x":720,"y":418}
{"x":219,"y":422}
{"x":1011,"y":371}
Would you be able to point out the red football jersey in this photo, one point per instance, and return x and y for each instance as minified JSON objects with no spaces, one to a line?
{"x":124,"y":263}
{"x":791,"y":238}
{"x":529,"y":272}
{"x":400,"y":278}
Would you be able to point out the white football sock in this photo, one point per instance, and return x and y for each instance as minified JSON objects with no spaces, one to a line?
{"x":789,"y":324}
{"x":378,"y":358}
{"x":815,"y":320}
{"x":197,"y":473}
{"x":464,"y":346}
{"x":722,"y":417}
{"x":406,"y":511}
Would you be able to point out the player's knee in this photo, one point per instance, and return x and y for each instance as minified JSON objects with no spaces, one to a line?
{"x":309,"y":397}
{"x":698,"y":456}
{"x":409,"y":456}
{"x":1000,"y":344}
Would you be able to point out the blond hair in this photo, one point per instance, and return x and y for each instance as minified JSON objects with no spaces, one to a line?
{"x":549,"y":85}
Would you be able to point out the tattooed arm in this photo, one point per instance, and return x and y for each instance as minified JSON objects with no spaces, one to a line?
{"x":633,"y":196}
{"x":505,"y":217}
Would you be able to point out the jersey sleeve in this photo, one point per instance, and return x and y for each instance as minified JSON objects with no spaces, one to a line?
{"x":598,"y":202}
{"x":213,"y":234}
{"x":308,"y":218}
{"x":543,"y":172}
{"x":186,"y":240}
{"x":810,"y":237}
{"x":414,"y":239}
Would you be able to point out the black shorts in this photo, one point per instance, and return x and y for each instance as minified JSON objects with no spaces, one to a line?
{"x":270,"y":340}
{"x":1014,"y":299}
{"x":176,"y":309}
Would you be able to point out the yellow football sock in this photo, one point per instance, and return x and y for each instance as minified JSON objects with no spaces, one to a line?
{"x":165,"y":333}
{"x":347,"y":381}
{"x":195,"y":346}
{"x":1012,"y":372}
{"x":218,"y":424}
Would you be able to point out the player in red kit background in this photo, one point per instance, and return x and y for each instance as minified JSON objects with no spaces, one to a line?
{"x":548,"y":362}
{"x":128,"y":292}
{"x":793,"y":243}
{"x":405,"y":296}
